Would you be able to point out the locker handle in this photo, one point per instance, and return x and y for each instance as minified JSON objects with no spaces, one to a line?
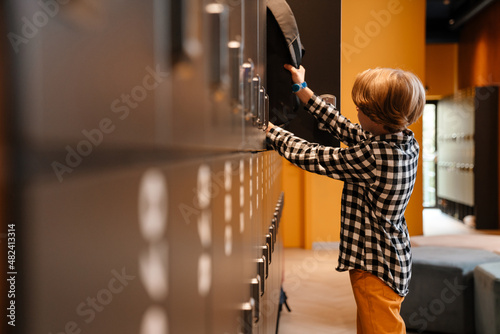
{"x":272,"y":230}
{"x":247,"y":318}
{"x":262,"y":274}
{"x":255,"y":293}
{"x":218,"y":25}
{"x":267,"y":257}
{"x":261,"y":108}
{"x":247,"y":70}
{"x":275,"y":222}
{"x":266,"y":112}
{"x":178,"y":30}
{"x":269,"y":240}
{"x":266,"y":263}
{"x":256,"y":83}
{"x":234,"y":73}
{"x":281,"y":203}
{"x":268,"y":245}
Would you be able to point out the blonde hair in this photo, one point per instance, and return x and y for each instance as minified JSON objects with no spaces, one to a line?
{"x":391,"y":97}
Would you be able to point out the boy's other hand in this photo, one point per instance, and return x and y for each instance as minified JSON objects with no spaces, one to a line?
{"x":269,"y":127}
{"x":298,"y":74}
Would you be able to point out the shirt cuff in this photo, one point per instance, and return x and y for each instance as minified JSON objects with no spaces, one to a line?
{"x":315,"y":104}
{"x":273,"y":133}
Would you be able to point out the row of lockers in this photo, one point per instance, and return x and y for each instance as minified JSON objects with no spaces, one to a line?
{"x":455,"y":115}
{"x":467,"y":173}
{"x":126,"y":74}
{"x":186,"y":247}
{"x":143,"y":199}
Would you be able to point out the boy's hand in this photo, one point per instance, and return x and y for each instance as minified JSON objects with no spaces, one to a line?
{"x":298,"y":75}
{"x":269,"y":126}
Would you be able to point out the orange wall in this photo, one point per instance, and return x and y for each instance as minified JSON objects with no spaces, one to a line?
{"x":479,"y":50}
{"x":441,"y":70}
{"x":400,"y":43}
{"x":375,"y":33}
{"x":293,"y":213}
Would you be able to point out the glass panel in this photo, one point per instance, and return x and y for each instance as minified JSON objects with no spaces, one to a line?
{"x":429,"y":154}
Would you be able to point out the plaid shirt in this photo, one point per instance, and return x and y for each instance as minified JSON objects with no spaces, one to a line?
{"x":379,"y":174}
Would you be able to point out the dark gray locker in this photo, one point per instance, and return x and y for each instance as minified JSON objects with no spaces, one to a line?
{"x":191,"y":242}
{"x":271,"y":190}
{"x":80,"y":243}
{"x":164,"y":233}
{"x":128,"y":75}
{"x":206,"y":77}
{"x":230,"y":288}
{"x":255,"y":19}
{"x":132,"y":121}
{"x":263,"y":206}
{"x":87,"y":71}
{"x":153,"y":230}
{"x":255,"y":233}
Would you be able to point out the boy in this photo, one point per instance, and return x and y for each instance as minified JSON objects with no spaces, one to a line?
{"x":378,"y":168}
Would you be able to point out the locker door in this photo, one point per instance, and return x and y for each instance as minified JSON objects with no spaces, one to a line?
{"x":229,"y":288}
{"x":207,"y":57}
{"x":255,"y":20}
{"x":131,"y":75}
{"x":86,"y":71}
{"x":251,"y":250}
{"x":80,"y":247}
{"x":191,"y":100}
{"x":191,"y":241}
{"x":122,"y":251}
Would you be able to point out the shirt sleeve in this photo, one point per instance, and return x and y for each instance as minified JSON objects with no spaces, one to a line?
{"x":355,"y":164}
{"x":349,"y":133}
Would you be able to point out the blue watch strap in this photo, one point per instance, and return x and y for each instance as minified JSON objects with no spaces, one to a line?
{"x":297,"y":87}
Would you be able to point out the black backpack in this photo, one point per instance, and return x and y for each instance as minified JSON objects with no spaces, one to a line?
{"x":285,"y":47}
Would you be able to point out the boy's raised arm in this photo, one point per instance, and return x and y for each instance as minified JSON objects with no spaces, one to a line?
{"x":347,"y":132}
{"x":298,"y":77}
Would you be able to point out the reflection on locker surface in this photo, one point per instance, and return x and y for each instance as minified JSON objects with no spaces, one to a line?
{"x":145,"y":200}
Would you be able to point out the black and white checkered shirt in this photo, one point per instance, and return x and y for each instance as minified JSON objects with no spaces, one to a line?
{"x":379,"y":174}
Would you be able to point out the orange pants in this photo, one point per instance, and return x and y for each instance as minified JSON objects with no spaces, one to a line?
{"x":378,"y":305}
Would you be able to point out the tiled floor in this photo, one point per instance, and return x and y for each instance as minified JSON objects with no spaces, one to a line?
{"x":320,"y":298}
{"x":437,"y":223}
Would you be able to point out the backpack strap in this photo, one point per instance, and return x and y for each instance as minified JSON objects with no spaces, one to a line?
{"x":286,"y":20}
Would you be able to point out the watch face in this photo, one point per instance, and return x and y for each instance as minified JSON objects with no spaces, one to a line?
{"x":295,"y":88}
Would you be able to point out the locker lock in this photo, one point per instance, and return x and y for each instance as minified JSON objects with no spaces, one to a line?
{"x":269,"y":240}
{"x":275,"y":222}
{"x":255,"y":297}
{"x":267,"y":257}
{"x":261,"y":271}
{"x":246,"y":318}
{"x":272,"y":231}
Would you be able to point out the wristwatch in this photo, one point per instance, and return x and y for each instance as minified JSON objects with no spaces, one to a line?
{"x":297,"y":87}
